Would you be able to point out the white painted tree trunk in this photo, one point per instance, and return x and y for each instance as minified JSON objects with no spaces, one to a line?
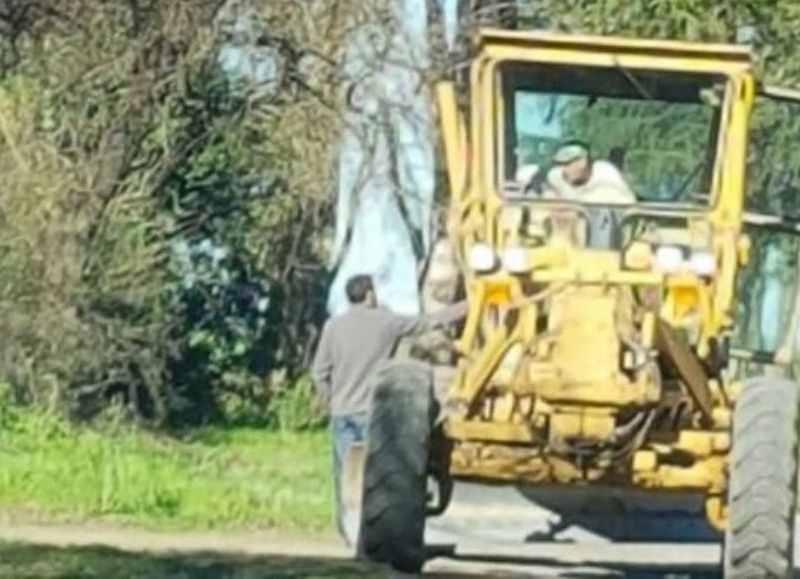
{"x":386,"y":165}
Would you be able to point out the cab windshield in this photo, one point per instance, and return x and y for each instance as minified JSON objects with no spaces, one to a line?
{"x":656,"y":130}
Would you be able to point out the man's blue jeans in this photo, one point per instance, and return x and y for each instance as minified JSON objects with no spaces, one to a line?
{"x":346,"y":430}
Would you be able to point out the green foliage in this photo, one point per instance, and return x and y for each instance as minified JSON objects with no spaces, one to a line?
{"x":774,"y":176}
{"x":297,"y":408}
{"x":706,"y":20}
{"x":665,"y":144}
{"x":86,"y":285}
{"x":121,"y":141}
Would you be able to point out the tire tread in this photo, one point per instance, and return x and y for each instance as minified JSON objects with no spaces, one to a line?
{"x":394,"y":494}
{"x":763,"y":481}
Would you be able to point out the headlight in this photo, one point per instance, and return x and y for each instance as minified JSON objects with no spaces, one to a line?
{"x":669,"y":259}
{"x":638,"y":256}
{"x":702,"y":263}
{"x":515,"y":260}
{"x":481,"y":258}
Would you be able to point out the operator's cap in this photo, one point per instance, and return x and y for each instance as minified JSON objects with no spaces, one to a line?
{"x":570,"y":152}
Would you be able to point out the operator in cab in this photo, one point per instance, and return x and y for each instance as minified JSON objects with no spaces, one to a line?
{"x":576,"y":176}
{"x":599,"y":185}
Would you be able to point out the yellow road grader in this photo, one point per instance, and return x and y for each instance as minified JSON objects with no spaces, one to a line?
{"x":597,"y":347}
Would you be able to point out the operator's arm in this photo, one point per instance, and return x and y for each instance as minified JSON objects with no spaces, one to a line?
{"x":544,"y":183}
{"x":322,"y":368}
{"x":407,"y":325}
{"x":626,"y":194}
{"x":613,"y":187}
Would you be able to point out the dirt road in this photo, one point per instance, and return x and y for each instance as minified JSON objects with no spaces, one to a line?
{"x":495,"y":532}
{"x":578,"y":533}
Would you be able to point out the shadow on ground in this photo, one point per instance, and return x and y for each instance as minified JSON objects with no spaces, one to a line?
{"x":583,"y":569}
{"x":18,"y":561}
{"x":623,"y":514}
{"x":557,"y":568}
{"x":36,"y":562}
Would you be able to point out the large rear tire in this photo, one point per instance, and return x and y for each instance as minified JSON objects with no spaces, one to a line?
{"x":395,"y":473}
{"x":762,"y":486}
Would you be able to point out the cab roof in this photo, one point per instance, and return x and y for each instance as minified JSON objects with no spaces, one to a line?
{"x":728,"y":53}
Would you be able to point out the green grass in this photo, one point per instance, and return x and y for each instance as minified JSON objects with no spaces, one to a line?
{"x":245,"y":478}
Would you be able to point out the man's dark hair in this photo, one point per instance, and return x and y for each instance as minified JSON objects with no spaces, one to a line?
{"x":358,"y":287}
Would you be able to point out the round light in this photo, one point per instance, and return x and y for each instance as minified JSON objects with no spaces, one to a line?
{"x":515,"y":260}
{"x":669,"y":259}
{"x":702,"y":262}
{"x":481,"y":258}
{"x":638,"y":255}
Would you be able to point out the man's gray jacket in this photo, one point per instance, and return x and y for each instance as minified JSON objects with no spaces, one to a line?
{"x":355,"y":343}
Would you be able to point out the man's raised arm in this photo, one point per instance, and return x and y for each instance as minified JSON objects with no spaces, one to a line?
{"x":408,"y":325}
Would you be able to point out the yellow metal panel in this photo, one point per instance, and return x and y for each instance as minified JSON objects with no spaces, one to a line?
{"x":727,"y":213}
{"x":483,"y":139}
{"x":721,"y":416}
{"x":587,"y":350}
{"x":592,"y":43}
{"x":476,"y":308}
{"x":499,"y":462}
{"x":548,"y":256}
{"x":508,"y":368}
{"x":477,"y":119}
{"x":696,"y":442}
{"x":575,"y":275}
{"x":648,"y":331}
{"x":454,"y":137}
{"x":489,"y":431}
{"x":477,"y":374}
{"x":645,"y":460}
{"x":617,"y":393}
{"x":582,"y":423}
{"x":717,"y":512}
{"x":708,"y":474}
{"x":630,"y":60}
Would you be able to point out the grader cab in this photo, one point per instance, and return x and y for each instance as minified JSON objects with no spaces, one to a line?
{"x":598,"y":220}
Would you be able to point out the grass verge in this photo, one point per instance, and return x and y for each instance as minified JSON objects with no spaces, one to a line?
{"x":244,"y":478}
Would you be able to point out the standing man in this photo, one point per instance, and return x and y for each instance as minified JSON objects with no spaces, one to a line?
{"x":352,"y":346}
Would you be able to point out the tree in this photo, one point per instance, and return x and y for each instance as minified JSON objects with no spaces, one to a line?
{"x":126,"y":148}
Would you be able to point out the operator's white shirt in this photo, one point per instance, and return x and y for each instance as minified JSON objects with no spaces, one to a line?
{"x":606,"y":185}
